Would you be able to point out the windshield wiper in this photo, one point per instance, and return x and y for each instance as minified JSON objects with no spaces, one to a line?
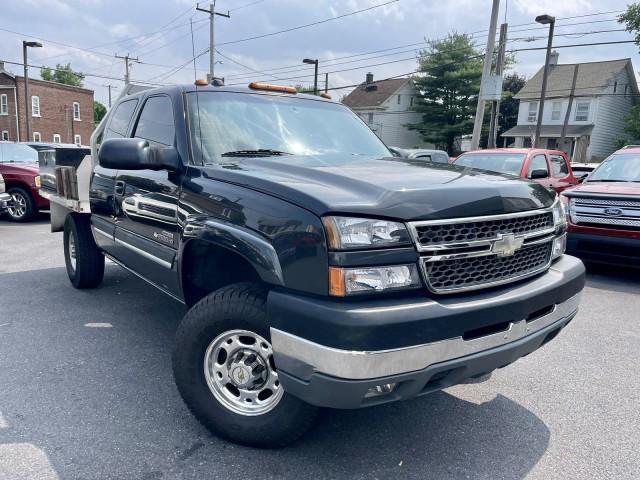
{"x":608,"y":180}
{"x":261,"y":152}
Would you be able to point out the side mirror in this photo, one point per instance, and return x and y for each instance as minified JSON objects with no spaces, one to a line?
{"x":582,"y":178}
{"x":136,"y":154}
{"x":538,"y":173}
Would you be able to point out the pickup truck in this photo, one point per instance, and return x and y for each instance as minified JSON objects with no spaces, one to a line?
{"x":318,"y":269}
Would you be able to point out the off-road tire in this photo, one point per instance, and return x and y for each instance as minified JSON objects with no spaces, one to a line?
{"x":238,"y":306}
{"x":89,"y":260}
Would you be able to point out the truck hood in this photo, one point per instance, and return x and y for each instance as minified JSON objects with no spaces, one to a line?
{"x":604,"y":188}
{"x":406,"y":189}
{"x":19,"y":168}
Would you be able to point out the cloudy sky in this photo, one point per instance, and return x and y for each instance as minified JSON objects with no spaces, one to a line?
{"x":87,"y":33}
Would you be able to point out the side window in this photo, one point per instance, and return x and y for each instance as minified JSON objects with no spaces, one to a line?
{"x":120,"y":120}
{"x":156,"y":121}
{"x":559,"y":166}
{"x":539,"y":162}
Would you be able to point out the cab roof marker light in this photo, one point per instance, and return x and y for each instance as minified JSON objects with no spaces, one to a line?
{"x":272,"y":88}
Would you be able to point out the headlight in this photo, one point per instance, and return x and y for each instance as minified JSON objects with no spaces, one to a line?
{"x":559,"y":246}
{"x":349,"y":281}
{"x":344,"y":233}
{"x":559,"y":214}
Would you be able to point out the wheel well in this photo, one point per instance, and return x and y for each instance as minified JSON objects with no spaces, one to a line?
{"x":206,"y":268}
{"x":14,"y":183}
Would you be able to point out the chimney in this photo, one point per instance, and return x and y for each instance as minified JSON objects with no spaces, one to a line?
{"x":553,"y":58}
{"x":369,"y":77}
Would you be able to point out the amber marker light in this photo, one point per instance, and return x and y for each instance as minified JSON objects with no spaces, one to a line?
{"x":272,"y":88}
{"x":336,"y":282}
{"x":201,"y":82}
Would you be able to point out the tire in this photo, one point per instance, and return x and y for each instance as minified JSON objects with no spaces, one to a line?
{"x":83,"y":258}
{"x":23,"y":208}
{"x":235,"y":308}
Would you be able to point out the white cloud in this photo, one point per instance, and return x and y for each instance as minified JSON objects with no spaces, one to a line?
{"x":120,"y":30}
{"x":554,"y":7}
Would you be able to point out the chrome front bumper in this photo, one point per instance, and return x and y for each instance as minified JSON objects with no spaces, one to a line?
{"x":5,"y":200}
{"x":302,"y":358}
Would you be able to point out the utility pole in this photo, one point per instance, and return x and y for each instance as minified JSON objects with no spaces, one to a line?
{"x":326,"y":83}
{"x":109,"y":86}
{"x":567,"y":116}
{"x":27,"y":104}
{"x":127,"y":59}
{"x":495,"y":106}
{"x":551,"y":21}
{"x":212,"y":13}
{"x":486,"y":71}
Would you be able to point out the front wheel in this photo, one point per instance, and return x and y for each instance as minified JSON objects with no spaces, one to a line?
{"x":22,"y":207}
{"x":224,"y":369}
{"x":83,"y":258}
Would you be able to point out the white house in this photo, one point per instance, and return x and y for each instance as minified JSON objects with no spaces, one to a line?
{"x":386,"y":106}
{"x":604,"y":93}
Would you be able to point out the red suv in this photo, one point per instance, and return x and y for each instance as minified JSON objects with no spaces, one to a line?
{"x":19,"y":167}
{"x":550,"y":168}
{"x":604,"y":212}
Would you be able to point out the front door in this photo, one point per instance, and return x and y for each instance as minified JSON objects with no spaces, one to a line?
{"x":146,"y":236}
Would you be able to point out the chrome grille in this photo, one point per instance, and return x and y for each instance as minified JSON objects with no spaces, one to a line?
{"x":464,"y":273}
{"x":471,"y":231}
{"x":605,"y":212}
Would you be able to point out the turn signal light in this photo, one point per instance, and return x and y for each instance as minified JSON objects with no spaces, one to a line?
{"x":201,"y":82}
{"x":272,"y":88}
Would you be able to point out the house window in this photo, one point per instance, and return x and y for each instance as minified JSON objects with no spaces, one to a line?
{"x":582,"y":112}
{"x":56,"y":138}
{"x":76,"y":111}
{"x":556,"y":111}
{"x":399,"y":99}
{"x":36,"y":137}
{"x":4,"y":106}
{"x":533,"y":112}
{"x":35,"y":106}
{"x":370,"y":117}
{"x":77,"y":140}
{"x":5,"y":135}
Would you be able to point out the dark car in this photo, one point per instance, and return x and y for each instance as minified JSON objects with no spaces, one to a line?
{"x":550,"y":168}
{"x":19,"y":167}
{"x":604,"y":212}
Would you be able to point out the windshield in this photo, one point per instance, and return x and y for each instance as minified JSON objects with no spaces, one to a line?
{"x":618,"y":168}
{"x":17,"y":153}
{"x":509,"y":163}
{"x":236,"y":124}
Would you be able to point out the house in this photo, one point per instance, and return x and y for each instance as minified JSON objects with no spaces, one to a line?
{"x":604,"y":93}
{"x":59,"y":113}
{"x":386,"y":107}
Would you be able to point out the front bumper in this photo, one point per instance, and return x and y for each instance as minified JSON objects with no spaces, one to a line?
{"x":5,"y":200}
{"x":621,"y":251}
{"x":509,"y":322}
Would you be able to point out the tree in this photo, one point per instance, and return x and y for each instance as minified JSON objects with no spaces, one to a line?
{"x":99,"y":111}
{"x":631,"y":18}
{"x":449,"y":90}
{"x":62,"y":74}
{"x":511,"y":85}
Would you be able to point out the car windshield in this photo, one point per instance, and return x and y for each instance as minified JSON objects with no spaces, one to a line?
{"x":509,"y":163}
{"x":226,"y":124}
{"x":618,"y":168}
{"x":17,"y":153}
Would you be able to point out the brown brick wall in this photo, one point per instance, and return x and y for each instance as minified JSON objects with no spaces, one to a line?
{"x":8,"y":122}
{"x":56,"y":110}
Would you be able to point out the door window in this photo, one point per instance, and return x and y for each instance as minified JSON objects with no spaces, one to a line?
{"x":539,"y":162}
{"x":119,"y":122}
{"x":559,"y":167}
{"x":156,"y":121}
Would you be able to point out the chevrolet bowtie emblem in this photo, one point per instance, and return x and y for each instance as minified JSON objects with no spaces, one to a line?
{"x":506,"y":245}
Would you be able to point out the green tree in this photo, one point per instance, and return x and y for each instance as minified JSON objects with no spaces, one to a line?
{"x":449,"y":90}
{"x":62,"y":74}
{"x":631,"y":19}
{"x":511,"y":85}
{"x":99,"y":111}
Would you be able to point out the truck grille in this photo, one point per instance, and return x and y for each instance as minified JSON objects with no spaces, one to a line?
{"x":436,"y":234}
{"x":480,"y":252}
{"x":471,"y":272}
{"x":623,"y":214}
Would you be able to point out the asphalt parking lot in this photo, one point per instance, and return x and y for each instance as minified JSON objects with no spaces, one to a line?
{"x":86,"y":392}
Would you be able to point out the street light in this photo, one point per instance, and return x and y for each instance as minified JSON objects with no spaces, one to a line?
{"x":551,"y":21}
{"x":311,"y":61}
{"x":27,"y":106}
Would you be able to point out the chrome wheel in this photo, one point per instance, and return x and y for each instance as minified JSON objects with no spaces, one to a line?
{"x":72,"y":250}
{"x":18,"y":207}
{"x":239,"y":369}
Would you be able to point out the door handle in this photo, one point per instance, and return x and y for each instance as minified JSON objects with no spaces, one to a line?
{"x":119,"y":187}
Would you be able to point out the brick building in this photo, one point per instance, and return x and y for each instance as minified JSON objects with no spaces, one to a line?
{"x":59,"y":113}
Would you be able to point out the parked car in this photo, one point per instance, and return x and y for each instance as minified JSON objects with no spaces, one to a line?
{"x":582,"y":170}
{"x":429,"y":155}
{"x":604,"y":211}
{"x":19,"y":166}
{"x":5,"y":198}
{"x":550,"y":168}
{"x":318,"y":271}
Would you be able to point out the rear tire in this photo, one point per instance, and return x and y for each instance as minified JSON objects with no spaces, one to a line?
{"x":232,"y":323}
{"x":23,"y":207}
{"x":83,"y":258}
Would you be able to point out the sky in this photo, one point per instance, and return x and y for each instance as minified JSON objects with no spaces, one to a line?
{"x":88,"y":33}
